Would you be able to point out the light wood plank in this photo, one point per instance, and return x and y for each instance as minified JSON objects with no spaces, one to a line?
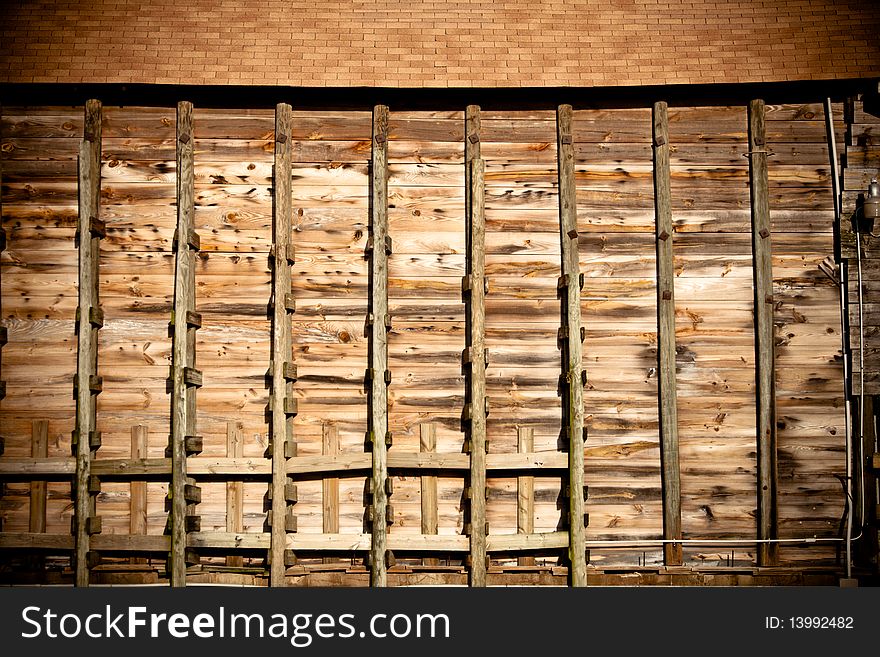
{"x":428,"y":484}
{"x":330,"y":485}
{"x":234,"y":489}
{"x":39,"y":450}
{"x":525,"y":493}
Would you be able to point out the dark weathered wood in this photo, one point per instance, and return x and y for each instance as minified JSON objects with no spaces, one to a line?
{"x":378,"y":347}
{"x":183,"y":416}
{"x":430,"y":523}
{"x":234,"y":489}
{"x":525,"y":493}
{"x":764,"y":345}
{"x":330,"y":485}
{"x":573,"y":405}
{"x":39,"y":450}
{"x":667,"y":395}
{"x":87,"y":333}
{"x":282,"y":388}
{"x":475,"y":340}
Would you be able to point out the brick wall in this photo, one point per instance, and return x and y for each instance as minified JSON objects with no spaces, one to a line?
{"x":437,"y":43}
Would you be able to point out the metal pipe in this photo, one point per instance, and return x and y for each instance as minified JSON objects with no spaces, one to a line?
{"x":844,"y":332}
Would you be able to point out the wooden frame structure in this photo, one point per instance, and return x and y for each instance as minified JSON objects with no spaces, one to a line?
{"x":531,"y":214}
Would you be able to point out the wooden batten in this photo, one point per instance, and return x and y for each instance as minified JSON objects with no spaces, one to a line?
{"x":183,"y":400}
{"x":378,"y":343}
{"x":573,"y":403}
{"x":525,"y":492}
{"x":282,"y":387}
{"x":234,"y":489}
{"x":138,"y":489}
{"x":762,"y":267}
{"x":87,"y":332}
{"x":39,"y":450}
{"x":428,"y":482}
{"x":667,"y":395}
{"x":475,"y":320}
{"x":330,"y":485}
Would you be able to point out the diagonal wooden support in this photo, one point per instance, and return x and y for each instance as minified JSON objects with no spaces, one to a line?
{"x":87,"y":333}
{"x":668,"y":405}
{"x":762,"y":267}
{"x":282,"y":386}
{"x":378,"y":344}
{"x":183,"y":399}
{"x":573,"y":406}
{"x":475,"y":398}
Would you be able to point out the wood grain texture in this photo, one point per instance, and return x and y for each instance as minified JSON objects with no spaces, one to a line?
{"x":667,"y":393}
{"x":39,"y":450}
{"x":183,"y":419}
{"x":282,"y":427}
{"x":428,"y":488}
{"x":475,"y":398}
{"x":573,"y":405}
{"x":87,"y":333}
{"x":234,"y":489}
{"x":525,"y":493}
{"x":378,"y":347}
{"x":764,"y":337}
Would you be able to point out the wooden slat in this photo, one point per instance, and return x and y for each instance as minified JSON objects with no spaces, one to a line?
{"x":668,"y":406}
{"x":234,"y":489}
{"x":330,"y":485}
{"x":138,"y":489}
{"x":764,"y":346}
{"x":378,"y":346}
{"x":573,"y":405}
{"x":475,"y":341}
{"x":183,"y":420}
{"x":39,"y":450}
{"x":525,"y":493}
{"x":430,"y":522}
{"x":282,"y":422}
{"x":87,"y":338}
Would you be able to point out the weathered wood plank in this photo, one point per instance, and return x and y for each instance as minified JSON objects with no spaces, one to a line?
{"x":330,"y":485}
{"x":378,"y":347}
{"x":475,"y":398}
{"x":573,"y":405}
{"x":525,"y":493}
{"x":764,"y":335}
{"x":90,"y":230}
{"x":282,"y":427}
{"x":428,"y":484}
{"x":39,"y":450}
{"x":138,"y":489}
{"x":234,"y":489}
{"x":183,"y":420}
{"x":666,"y":353}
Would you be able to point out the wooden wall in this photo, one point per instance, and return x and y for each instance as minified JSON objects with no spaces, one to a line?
{"x":715,"y":342}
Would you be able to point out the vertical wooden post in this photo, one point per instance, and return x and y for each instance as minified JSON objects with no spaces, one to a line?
{"x":428,"y":444}
{"x":476,"y":402}
{"x":378,"y":347}
{"x":185,"y":378}
{"x":138,"y":489}
{"x":525,"y":492}
{"x":234,"y":489}
{"x":283,"y":405}
{"x":668,"y":404}
{"x":330,"y":485}
{"x":90,"y":229}
{"x":764,"y":347}
{"x":573,"y":406}
{"x":39,"y":450}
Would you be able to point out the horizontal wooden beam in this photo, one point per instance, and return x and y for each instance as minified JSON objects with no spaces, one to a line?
{"x":200,"y":466}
